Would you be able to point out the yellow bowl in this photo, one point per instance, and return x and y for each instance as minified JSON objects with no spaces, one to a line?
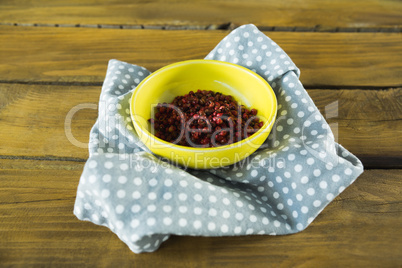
{"x":178,"y":79}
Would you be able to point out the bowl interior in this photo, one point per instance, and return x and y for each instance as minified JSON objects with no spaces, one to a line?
{"x":180,"y":78}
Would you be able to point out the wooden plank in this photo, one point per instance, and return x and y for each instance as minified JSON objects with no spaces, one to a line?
{"x":367,"y":122}
{"x":292,"y":13}
{"x":81,"y":55}
{"x":363,"y":225}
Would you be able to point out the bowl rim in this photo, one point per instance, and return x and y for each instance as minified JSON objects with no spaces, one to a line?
{"x":266,"y":126}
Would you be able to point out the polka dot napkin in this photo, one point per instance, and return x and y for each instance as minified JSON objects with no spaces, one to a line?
{"x":278,"y":190}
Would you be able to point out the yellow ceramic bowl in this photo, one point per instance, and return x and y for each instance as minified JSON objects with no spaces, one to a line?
{"x":178,"y":79}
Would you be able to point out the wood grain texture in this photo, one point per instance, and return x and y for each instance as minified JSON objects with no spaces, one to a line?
{"x":81,"y":55}
{"x":292,"y":13}
{"x":361,"y":228}
{"x":367,"y":122}
{"x":349,"y":54}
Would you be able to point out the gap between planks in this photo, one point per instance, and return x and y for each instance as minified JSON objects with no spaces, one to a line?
{"x":223,"y":26}
{"x":90,"y":84}
{"x":43,"y":158}
{"x":370,"y":163}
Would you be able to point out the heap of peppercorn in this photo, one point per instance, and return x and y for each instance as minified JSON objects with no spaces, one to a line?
{"x":204,"y":119}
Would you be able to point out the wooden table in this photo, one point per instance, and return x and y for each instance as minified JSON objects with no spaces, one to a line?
{"x":54,"y":56}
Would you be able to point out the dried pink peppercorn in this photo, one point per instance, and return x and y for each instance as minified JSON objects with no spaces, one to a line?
{"x":204,"y":119}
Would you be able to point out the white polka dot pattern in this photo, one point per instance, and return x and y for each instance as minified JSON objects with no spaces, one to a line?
{"x":279,"y":189}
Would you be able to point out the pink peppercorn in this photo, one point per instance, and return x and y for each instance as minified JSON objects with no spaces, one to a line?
{"x":212,"y":118}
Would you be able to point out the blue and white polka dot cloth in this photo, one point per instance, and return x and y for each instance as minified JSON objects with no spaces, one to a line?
{"x":278,"y":190}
